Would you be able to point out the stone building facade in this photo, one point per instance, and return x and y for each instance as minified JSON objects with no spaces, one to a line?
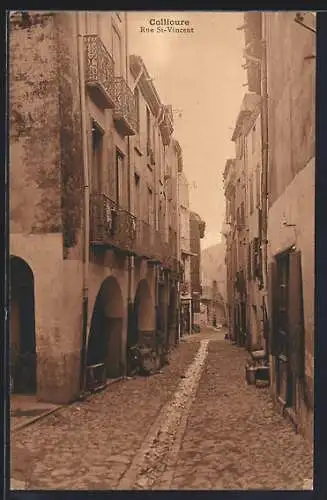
{"x":290,"y":227}
{"x":280,"y":65}
{"x":236,"y":235}
{"x":214,"y":284}
{"x":93,"y":203}
{"x":197,"y":231}
{"x":185,"y":255}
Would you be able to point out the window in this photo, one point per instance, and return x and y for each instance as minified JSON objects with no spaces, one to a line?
{"x":137,"y":184}
{"x":121,"y":180}
{"x":116,"y":51}
{"x":153,"y":138}
{"x":256,"y":261}
{"x":150,"y":207}
{"x":148,"y":128}
{"x":251,"y":201}
{"x":242,"y":214}
{"x":137,"y":102}
{"x":258,"y":186}
{"x":162,"y":212}
{"x":97,"y":151}
{"x":253,"y":138}
{"x":238,"y":218}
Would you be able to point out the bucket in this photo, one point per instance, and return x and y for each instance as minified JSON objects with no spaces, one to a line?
{"x":250,"y":372}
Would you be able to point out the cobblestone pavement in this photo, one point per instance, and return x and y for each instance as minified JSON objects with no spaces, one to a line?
{"x":90,"y":444}
{"x":234,"y":439}
{"x":195,"y":426}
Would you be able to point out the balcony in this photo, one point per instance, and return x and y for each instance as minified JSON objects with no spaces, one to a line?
{"x":185,"y":244}
{"x":226,"y":229}
{"x":99,"y":72}
{"x":144,"y":243}
{"x":125,"y":112}
{"x":168,"y":251}
{"x":166,"y":126}
{"x":111,"y":226}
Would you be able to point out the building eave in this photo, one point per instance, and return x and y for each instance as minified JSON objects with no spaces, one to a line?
{"x":250,"y":107}
{"x":146,"y":85}
{"x":252,"y":28}
{"x":243,"y":114}
{"x":228,"y":166}
{"x":252,"y":37}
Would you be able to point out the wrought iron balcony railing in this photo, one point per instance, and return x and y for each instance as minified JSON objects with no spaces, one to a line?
{"x":125,"y":113}
{"x":99,"y":71}
{"x":144,"y":242}
{"x":115,"y":227}
{"x":111,"y":225}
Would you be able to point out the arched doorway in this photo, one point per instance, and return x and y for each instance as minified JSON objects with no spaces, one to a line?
{"x":22,"y":327}
{"x":144,"y":314}
{"x":105,"y":339}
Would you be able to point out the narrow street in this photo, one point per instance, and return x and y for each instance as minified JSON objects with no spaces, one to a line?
{"x":195,"y":425}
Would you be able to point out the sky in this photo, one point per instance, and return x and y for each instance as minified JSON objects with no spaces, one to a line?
{"x":200,"y":74}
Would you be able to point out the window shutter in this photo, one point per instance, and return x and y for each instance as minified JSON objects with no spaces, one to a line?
{"x":111,"y":170}
{"x":253,"y":259}
{"x":249,"y":261}
{"x":256,"y":258}
{"x":273,"y":307}
{"x":296,"y":323}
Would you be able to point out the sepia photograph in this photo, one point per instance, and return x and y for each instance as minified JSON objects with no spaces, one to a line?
{"x":161,"y":263}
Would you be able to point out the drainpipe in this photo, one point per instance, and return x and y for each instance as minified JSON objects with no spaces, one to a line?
{"x":80,"y":48}
{"x":264,"y":125}
{"x":179,"y":258}
{"x":264,"y":175}
{"x":131,"y":263}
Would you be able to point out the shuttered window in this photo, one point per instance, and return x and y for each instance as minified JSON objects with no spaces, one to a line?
{"x":273,"y":305}
{"x":282,"y":307}
{"x":250,"y":261}
{"x":251,"y":194}
{"x":97,"y":158}
{"x":296,"y":320}
{"x":256,"y":258}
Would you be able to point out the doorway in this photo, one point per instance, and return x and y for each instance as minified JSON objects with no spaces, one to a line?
{"x":105,"y":339}
{"x":22,"y":328}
